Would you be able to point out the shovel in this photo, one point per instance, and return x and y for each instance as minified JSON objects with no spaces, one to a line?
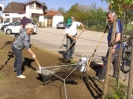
{"x":90,"y":60}
{"x":39,"y":70}
{"x":72,"y":43}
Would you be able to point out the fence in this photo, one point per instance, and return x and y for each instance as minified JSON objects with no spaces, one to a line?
{"x":97,"y":25}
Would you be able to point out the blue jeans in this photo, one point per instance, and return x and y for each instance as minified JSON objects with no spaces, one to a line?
{"x":114,"y":63}
{"x":70,"y":52}
{"x":18,"y":60}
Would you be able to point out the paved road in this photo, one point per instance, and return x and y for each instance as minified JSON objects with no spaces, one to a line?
{"x":51,"y":39}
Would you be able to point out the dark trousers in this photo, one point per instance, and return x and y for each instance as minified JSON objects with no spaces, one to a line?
{"x":70,"y":52}
{"x":102,"y":74}
{"x":18,"y":60}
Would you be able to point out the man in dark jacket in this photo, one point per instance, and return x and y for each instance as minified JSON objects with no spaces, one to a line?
{"x":116,"y":47}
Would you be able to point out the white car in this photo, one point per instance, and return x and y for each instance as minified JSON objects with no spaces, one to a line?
{"x":15,"y":28}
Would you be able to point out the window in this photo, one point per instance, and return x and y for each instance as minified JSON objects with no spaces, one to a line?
{"x":17,"y":23}
{"x":6,"y":14}
{"x":31,"y":6}
{"x":16,"y":19}
{"x":6,"y":20}
{"x":38,"y":6}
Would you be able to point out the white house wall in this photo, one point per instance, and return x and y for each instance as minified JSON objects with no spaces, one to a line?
{"x":56,"y":19}
{"x":41,"y":19}
{"x":45,"y":20}
{"x":12,"y":15}
{"x":34,"y":10}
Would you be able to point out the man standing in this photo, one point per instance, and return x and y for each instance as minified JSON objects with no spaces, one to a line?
{"x":116,"y":47}
{"x":23,"y":23}
{"x":71,"y":32}
{"x":23,"y":41}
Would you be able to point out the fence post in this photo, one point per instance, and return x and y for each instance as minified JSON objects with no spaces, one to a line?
{"x":109,"y":60}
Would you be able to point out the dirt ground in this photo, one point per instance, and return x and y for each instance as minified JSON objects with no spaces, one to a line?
{"x":32,"y":87}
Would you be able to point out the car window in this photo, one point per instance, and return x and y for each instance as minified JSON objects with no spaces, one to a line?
{"x":33,"y":23}
{"x":12,"y":23}
{"x":17,"y":23}
{"x":60,"y":22}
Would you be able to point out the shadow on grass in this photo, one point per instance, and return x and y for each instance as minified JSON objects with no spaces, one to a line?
{"x":27,"y":62}
{"x":6,"y":43}
{"x":93,"y":88}
{"x":10,"y":55}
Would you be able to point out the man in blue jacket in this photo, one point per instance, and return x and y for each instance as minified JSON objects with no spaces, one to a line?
{"x":116,"y":47}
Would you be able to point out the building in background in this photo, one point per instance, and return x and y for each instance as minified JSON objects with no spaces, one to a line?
{"x":52,"y":18}
{"x":14,"y":11}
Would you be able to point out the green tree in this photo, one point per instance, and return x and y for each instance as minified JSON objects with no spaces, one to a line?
{"x":62,"y":10}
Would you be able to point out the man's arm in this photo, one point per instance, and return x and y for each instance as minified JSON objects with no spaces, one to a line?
{"x":71,"y":36}
{"x":117,"y":38}
{"x":83,"y":28}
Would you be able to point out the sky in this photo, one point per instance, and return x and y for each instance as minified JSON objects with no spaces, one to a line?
{"x":66,"y":4}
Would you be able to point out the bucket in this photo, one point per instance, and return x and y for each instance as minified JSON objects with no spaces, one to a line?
{"x":83,"y":68}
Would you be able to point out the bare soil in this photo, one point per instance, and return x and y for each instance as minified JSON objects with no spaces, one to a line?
{"x":32,"y":87}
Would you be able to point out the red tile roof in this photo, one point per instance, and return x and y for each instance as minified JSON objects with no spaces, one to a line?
{"x":14,"y":7}
{"x":52,"y":13}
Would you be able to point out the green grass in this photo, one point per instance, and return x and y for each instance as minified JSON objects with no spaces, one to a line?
{"x":129,"y":27}
{"x":1,"y":76}
{"x":1,"y":33}
{"x":1,"y":51}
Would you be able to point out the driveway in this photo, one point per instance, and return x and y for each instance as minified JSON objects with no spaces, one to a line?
{"x":51,"y":39}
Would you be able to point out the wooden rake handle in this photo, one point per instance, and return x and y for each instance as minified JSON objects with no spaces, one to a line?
{"x":88,"y":64}
{"x":72,"y":43}
{"x":37,"y":62}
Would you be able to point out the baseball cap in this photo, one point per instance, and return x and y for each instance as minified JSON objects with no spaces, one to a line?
{"x":69,"y":21}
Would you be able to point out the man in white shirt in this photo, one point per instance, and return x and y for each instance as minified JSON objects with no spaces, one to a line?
{"x":71,"y":32}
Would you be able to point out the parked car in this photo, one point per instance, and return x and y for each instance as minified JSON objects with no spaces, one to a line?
{"x":15,"y":28}
{"x":61,"y":25}
{"x":3,"y":26}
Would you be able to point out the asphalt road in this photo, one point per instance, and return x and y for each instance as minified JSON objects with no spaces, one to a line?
{"x":51,"y":39}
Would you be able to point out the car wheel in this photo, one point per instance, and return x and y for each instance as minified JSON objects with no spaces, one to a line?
{"x":8,"y":31}
{"x":57,"y":28}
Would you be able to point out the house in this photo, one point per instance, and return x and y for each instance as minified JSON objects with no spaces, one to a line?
{"x":52,"y":18}
{"x":14,"y":11}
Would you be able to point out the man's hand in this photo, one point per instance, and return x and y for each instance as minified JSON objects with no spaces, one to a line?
{"x":113,"y":51}
{"x":83,"y":29}
{"x":75,"y":38}
{"x":107,"y":26}
{"x":34,"y":56}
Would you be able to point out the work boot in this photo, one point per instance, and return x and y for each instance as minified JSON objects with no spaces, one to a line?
{"x":115,"y":76}
{"x":98,"y":78}
{"x":71,"y":57}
